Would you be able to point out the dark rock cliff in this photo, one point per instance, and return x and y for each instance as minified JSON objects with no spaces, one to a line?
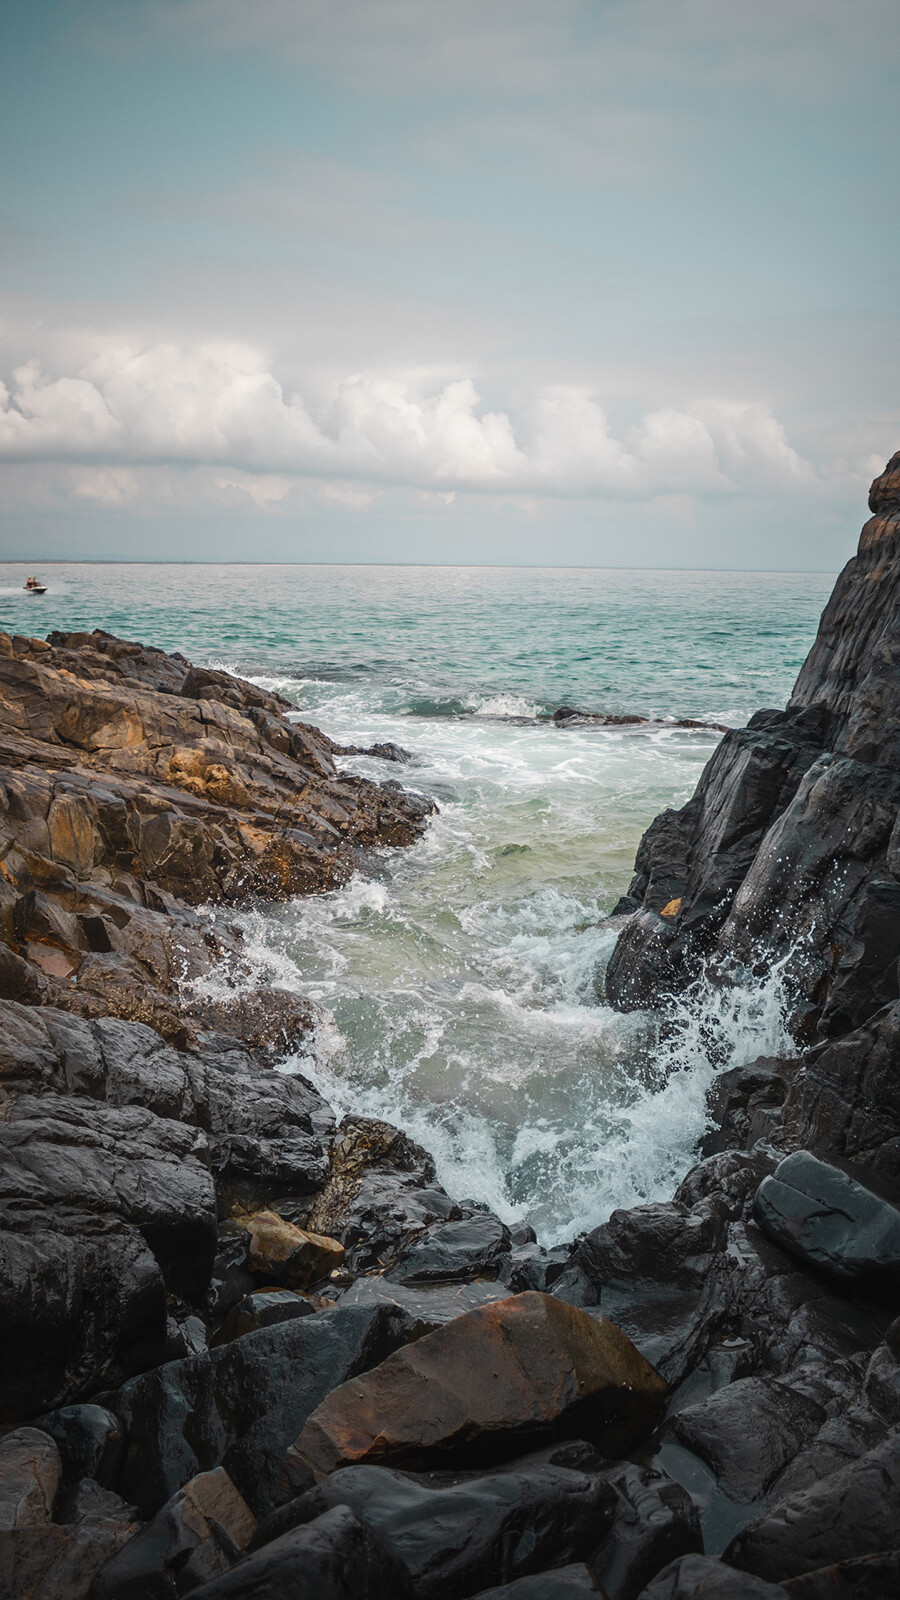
{"x":791,"y":843}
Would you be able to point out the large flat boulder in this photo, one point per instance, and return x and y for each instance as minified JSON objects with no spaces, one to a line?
{"x":489,"y":1385}
{"x":831,"y":1222}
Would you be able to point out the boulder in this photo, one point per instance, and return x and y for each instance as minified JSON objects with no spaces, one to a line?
{"x":831,"y":1223}
{"x":29,"y":1478}
{"x":282,"y":1253}
{"x":69,"y":1152}
{"x":490,"y":1384}
{"x":333,"y":1558}
{"x":82,"y":1303}
{"x":193,"y":1538}
{"x":868,"y":1578}
{"x":263,"y":1309}
{"x":247,"y":1401}
{"x":380,"y":1194}
{"x":749,"y":1431}
{"x":90,"y":1442}
{"x":854,"y":1512}
{"x":455,"y":1537}
{"x":58,"y":1563}
{"x":455,"y":1252}
{"x":430,"y":1305}
{"x":696,"y":1577}
{"x":655,"y":1521}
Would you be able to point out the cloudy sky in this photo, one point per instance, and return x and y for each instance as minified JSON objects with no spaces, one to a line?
{"x":606,"y":282}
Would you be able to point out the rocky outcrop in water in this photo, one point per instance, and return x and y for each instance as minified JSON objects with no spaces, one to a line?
{"x":791,"y":845}
{"x":136,"y":788}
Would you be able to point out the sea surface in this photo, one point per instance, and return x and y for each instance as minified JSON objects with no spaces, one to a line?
{"x":459,"y":977}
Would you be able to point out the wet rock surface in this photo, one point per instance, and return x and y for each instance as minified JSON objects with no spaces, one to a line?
{"x":788,"y":844}
{"x":490,"y":1383}
{"x":248,"y":1352}
{"x":136,"y":786}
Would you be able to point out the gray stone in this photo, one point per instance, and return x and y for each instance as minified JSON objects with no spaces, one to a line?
{"x":831,"y":1222}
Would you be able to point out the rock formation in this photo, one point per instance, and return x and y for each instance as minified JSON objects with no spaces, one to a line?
{"x":136,"y":787}
{"x":248,"y":1353}
{"x":791,"y":844}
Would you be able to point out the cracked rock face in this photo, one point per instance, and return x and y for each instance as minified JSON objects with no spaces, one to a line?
{"x":136,"y":787}
{"x":792,"y":840}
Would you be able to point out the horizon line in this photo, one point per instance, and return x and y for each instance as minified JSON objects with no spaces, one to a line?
{"x":437,"y":566}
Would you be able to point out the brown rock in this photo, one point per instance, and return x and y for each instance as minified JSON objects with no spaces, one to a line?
{"x":57,"y":1563}
{"x":288,"y":1255}
{"x":488,"y":1385}
{"x":29,"y":1478}
{"x":192,"y":1539}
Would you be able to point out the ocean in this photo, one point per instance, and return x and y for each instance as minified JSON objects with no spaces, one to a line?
{"x":459,"y":978}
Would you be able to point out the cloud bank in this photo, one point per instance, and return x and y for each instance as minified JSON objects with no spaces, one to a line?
{"x":218,"y":404}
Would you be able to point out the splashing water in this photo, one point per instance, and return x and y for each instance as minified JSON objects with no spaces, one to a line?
{"x":457,"y":978}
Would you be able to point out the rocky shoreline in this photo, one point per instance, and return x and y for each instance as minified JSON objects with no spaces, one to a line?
{"x":252,"y":1353}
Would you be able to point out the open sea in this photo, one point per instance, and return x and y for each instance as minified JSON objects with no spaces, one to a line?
{"x":459,"y":978}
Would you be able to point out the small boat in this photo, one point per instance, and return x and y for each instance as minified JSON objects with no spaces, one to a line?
{"x":33,"y":587}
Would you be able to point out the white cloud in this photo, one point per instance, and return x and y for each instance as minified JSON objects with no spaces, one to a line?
{"x":124,"y":404}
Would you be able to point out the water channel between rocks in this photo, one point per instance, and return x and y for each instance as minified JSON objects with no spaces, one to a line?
{"x":459,"y":975}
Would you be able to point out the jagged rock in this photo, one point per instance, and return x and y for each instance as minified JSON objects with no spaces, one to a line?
{"x":29,"y":1478}
{"x":696,"y":1577}
{"x":82,"y":1303}
{"x":90,"y":1442}
{"x":194,"y":1537}
{"x":333,"y":1558}
{"x":882,"y":1381}
{"x":455,"y":1252}
{"x":832,"y":1223}
{"x":844,"y":1100}
{"x":744,"y":1105}
{"x":429,"y":1306}
{"x":786,"y":846}
{"x":282,"y":1253}
{"x":57,"y":1563}
{"x":136,"y":786}
{"x":58,"y":1151}
{"x":749,"y":1431}
{"x":654,"y":1522}
{"x":247,"y":1402}
{"x":486,"y":1529}
{"x":489,"y":1384}
{"x":379,"y":1195}
{"x":650,"y":1270}
{"x":264,"y":1308}
{"x":854,"y":1512}
{"x":88,"y":1501}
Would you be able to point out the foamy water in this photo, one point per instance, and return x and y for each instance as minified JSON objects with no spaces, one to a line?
{"x":458,"y":979}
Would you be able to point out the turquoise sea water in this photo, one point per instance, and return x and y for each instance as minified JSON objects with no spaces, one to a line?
{"x":458,"y":978}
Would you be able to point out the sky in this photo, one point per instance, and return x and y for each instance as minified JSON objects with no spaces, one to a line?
{"x":575,"y":282}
